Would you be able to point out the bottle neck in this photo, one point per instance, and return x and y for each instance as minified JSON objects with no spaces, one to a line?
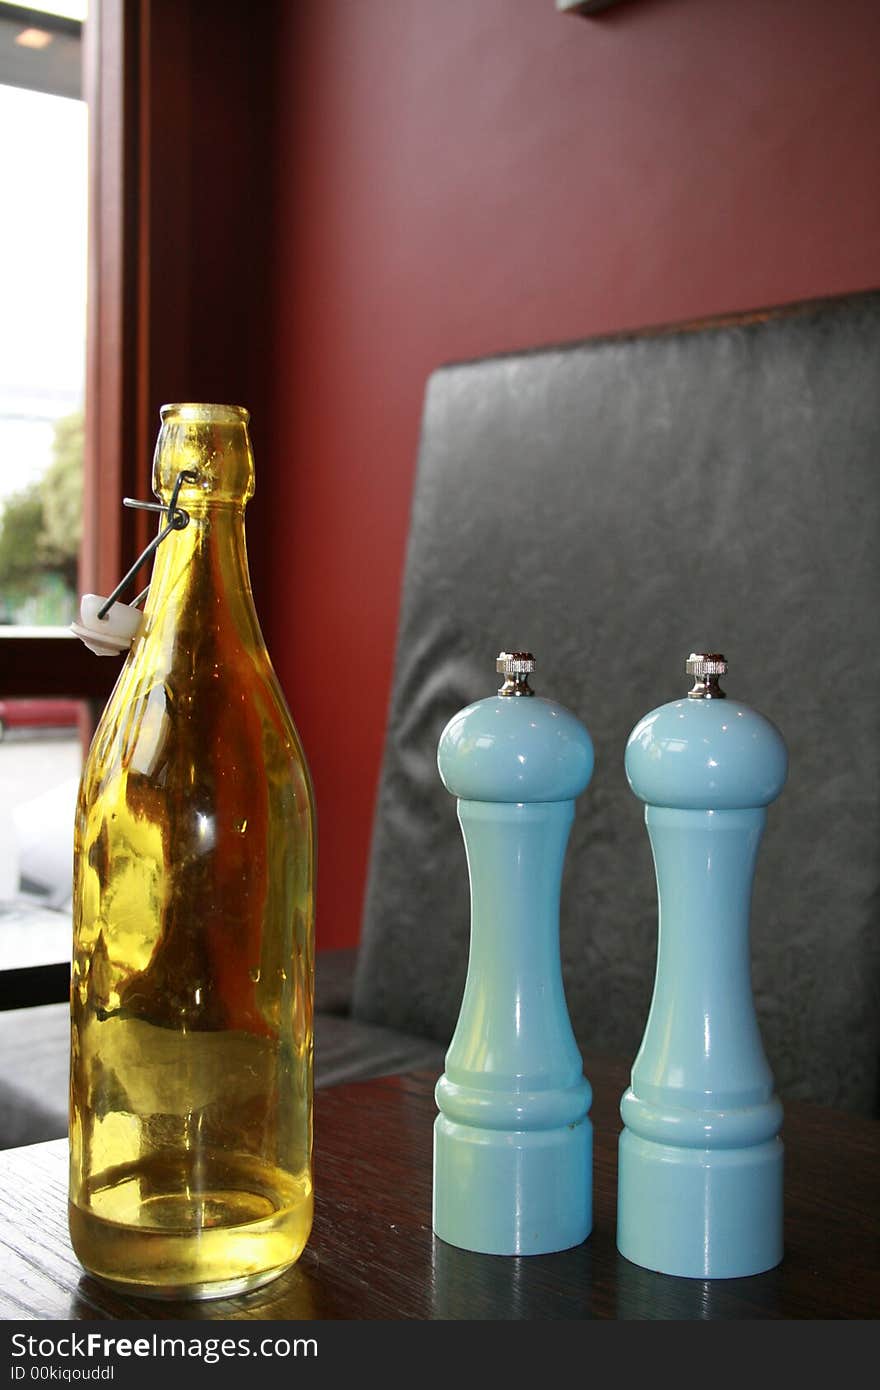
{"x":201,"y":582}
{"x":199,"y":614}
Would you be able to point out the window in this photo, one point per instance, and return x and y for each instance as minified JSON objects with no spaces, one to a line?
{"x":43,"y":170}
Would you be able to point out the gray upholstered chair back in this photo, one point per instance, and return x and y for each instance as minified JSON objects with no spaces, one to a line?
{"x":612,"y":505}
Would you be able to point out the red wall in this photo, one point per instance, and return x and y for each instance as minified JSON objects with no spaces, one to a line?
{"x":457,"y":177}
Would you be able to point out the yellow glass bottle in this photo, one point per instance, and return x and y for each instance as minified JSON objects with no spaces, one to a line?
{"x":193,"y":963}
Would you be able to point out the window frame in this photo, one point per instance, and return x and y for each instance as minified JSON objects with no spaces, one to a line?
{"x":48,"y":662}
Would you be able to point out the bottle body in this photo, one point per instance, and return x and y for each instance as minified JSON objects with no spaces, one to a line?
{"x":192,"y":987}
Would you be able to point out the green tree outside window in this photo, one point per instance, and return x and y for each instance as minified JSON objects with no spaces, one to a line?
{"x":40,"y":535}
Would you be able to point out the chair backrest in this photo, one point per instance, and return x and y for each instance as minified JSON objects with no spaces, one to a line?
{"x":612,"y":505}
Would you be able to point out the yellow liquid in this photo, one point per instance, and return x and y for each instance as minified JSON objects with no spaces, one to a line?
{"x":215,"y":1228}
{"x":192,"y":988}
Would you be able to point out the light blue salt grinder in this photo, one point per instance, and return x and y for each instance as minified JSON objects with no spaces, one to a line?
{"x":513,"y":1142}
{"x":700,"y":1160}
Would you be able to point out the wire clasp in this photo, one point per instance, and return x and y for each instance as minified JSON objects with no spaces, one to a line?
{"x":108,"y":627}
{"x":178,"y":520}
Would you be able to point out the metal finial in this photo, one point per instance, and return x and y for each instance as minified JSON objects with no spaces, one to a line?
{"x":515,"y":668}
{"x":706,"y":667}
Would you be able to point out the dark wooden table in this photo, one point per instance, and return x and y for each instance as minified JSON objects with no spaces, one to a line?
{"x":372,"y":1253}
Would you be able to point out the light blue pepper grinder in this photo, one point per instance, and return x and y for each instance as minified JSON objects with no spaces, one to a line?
{"x":513,"y":1141}
{"x":700,"y":1158}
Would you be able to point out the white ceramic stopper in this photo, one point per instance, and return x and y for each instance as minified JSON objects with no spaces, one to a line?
{"x":110,"y":635}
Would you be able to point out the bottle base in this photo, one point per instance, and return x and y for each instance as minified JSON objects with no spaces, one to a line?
{"x":202,"y":1242}
{"x":196,"y":1293}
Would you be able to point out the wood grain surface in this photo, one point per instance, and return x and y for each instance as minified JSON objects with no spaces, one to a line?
{"x":372,"y":1254}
